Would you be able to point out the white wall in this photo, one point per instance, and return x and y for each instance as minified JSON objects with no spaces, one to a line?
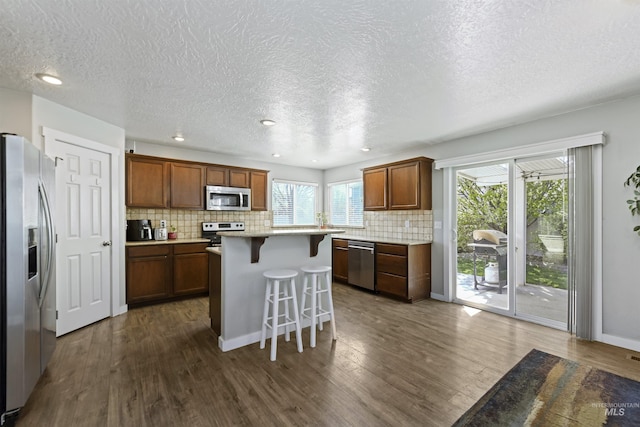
{"x":55,"y":116}
{"x":15,"y":112}
{"x":276,"y":171}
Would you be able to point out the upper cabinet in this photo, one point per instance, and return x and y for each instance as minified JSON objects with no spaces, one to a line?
{"x":154,"y":182}
{"x":239,"y":178}
{"x":187,"y":185}
{"x":374,"y":181}
{"x":218,"y":175}
{"x":147,"y":181}
{"x":399,"y":185}
{"x":258,"y":190}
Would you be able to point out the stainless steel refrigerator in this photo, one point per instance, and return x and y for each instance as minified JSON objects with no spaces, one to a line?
{"x":27,"y":270}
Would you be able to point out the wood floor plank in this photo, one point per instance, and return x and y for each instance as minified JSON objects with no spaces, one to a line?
{"x":393,"y":364}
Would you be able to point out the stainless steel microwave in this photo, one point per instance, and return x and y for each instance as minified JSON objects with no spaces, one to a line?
{"x":227,"y":198}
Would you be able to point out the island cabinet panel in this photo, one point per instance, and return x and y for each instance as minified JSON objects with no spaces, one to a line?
{"x":258,"y":190}
{"x":404,"y":271}
{"x":218,"y":175}
{"x":374,"y":182}
{"x":162,"y":272}
{"x":239,"y":178}
{"x":215,"y":291}
{"x":340,"y":260}
{"x":148,"y":274}
{"x":147,"y":182}
{"x":401,"y":185}
{"x":187,"y":186}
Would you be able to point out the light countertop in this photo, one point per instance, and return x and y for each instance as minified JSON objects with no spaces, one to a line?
{"x":283,"y":232}
{"x":214,"y":250}
{"x":393,"y":241}
{"x":166,"y":242}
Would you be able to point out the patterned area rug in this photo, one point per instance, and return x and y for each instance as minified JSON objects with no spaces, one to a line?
{"x":546,"y":390}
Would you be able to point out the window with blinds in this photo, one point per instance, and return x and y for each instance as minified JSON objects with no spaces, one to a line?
{"x":293,"y":203}
{"x":346,"y":203}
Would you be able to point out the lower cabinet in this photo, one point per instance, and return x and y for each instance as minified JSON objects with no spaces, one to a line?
{"x":340,"y":260}
{"x":404,"y":271}
{"x":166,"y":271}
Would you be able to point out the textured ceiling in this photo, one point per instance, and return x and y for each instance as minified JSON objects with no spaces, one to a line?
{"x":336,"y":75}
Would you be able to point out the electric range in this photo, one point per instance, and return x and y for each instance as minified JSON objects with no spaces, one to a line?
{"x":210,"y":231}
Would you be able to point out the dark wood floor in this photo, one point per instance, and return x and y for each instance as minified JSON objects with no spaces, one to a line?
{"x":393,"y":364}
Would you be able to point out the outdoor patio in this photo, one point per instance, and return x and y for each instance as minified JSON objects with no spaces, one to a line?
{"x":541,"y":301}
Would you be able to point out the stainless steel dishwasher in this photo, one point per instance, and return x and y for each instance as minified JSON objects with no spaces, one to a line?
{"x":362,"y":264}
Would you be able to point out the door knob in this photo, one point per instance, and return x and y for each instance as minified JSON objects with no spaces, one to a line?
{"x":106,"y":243}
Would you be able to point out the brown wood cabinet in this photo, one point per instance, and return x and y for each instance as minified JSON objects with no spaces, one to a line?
{"x":400,"y":185}
{"x":239,"y":178}
{"x":215,"y":292}
{"x":163,"y":272}
{"x":147,"y":181}
{"x":340,"y":260}
{"x":374,"y":181}
{"x":187,"y":185}
{"x":217,"y":175}
{"x":404,"y":271}
{"x":258,"y":190}
{"x":190,"y":269}
{"x":153,"y":182}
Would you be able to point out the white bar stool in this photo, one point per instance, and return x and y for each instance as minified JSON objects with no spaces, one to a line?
{"x":274,"y":296}
{"x":315,"y":290}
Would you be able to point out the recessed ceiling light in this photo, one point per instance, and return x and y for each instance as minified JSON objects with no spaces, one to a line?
{"x":365,"y":149}
{"x":276,"y":155}
{"x":267,"y":122}
{"x":314,"y":161}
{"x":48,"y":78}
{"x":178,"y":138}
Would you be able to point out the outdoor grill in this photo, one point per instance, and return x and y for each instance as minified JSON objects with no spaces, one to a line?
{"x":490,"y":245}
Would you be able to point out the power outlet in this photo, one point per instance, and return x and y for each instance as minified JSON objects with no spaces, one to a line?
{"x":267,"y":223}
{"x":407,"y":224}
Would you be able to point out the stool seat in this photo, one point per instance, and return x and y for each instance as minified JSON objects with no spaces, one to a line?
{"x":280,"y":274}
{"x":274,"y":296}
{"x":316,"y":269}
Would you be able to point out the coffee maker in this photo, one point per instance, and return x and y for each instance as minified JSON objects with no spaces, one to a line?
{"x":161,"y":232}
{"x":139,"y":230}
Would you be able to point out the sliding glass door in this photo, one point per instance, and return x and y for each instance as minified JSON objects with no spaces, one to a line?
{"x":482,"y":216}
{"x":511,"y":238}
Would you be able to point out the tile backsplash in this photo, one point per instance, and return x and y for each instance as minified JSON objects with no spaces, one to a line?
{"x":377,"y":224}
{"x":410,"y":224}
{"x":188,"y":222}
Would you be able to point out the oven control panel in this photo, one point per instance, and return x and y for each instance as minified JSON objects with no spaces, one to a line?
{"x":223,"y":226}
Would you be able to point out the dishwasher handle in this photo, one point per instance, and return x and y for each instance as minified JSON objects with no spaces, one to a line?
{"x":364,"y":248}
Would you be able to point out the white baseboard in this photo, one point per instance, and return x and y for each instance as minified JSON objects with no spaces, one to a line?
{"x":621,"y":342}
{"x":121,"y":310}
{"x":438,"y":297}
{"x":254,"y":337}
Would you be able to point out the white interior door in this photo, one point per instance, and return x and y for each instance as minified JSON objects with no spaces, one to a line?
{"x":84,"y":243}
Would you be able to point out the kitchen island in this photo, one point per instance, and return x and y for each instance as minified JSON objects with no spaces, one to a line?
{"x":245,"y":255}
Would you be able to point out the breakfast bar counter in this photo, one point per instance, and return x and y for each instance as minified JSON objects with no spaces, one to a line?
{"x":244,"y":257}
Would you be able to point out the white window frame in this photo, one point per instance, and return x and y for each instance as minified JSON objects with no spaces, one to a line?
{"x":347,"y":182}
{"x":286,"y":181}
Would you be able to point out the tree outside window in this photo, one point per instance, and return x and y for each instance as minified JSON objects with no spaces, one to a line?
{"x":346,"y":203}
{"x":293,"y":203}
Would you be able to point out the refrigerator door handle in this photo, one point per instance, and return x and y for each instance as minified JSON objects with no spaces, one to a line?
{"x":46,"y":206}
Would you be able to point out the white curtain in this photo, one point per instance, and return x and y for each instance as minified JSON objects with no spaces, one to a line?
{"x":581,"y":241}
